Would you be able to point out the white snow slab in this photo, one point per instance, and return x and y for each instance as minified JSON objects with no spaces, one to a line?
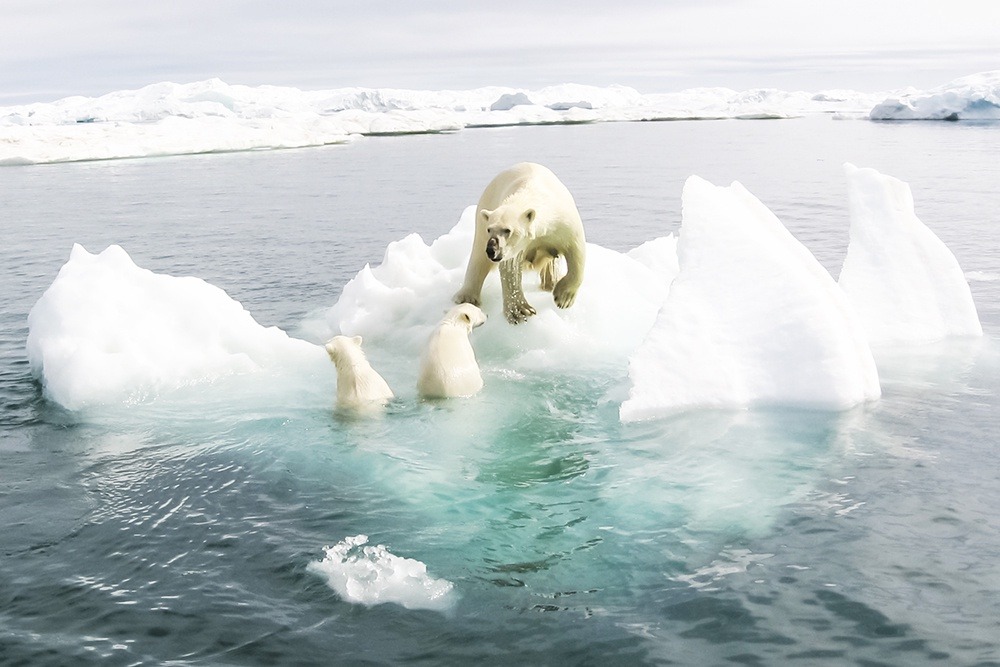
{"x":751,"y":318}
{"x":975,"y":97}
{"x":904,"y":283}
{"x":108,"y":331}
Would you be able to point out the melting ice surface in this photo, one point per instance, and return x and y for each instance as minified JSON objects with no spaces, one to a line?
{"x":210,"y":116}
{"x":371,"y":575}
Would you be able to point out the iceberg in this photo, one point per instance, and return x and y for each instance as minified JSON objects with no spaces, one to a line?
{"x":975,"y":97}
{"x":734,"y":312}
{"x":904,"y":283}
{"x":108,"y":331}
{"x":751,"y":318}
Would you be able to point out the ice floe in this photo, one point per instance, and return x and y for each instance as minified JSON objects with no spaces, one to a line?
{"x":734,"y":312}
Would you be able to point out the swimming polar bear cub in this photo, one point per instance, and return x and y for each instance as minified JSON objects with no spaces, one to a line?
{"x":525,"y":217}
{"x":448,"y":367}
{"x":358,"y":384}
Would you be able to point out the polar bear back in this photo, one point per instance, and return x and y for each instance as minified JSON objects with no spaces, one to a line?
{"x":538,"y":186}
{"x":358,"y":383}
{"x":448,"y":366}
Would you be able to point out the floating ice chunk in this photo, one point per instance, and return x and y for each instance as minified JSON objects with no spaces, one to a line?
{"x":109,"y":331}
{"x":508,"y":101}
{"x":752,"y":318}
{"x":370,"y":575}
{"x":975,"y":97}
{"x":396,"y":304}
{"x":904,"y":283}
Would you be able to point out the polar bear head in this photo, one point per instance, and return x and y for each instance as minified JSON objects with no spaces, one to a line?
{"x":509,"y":229}
{"x":344,"y":351}
{"x":464,"y":315}
{"x":358,"y":383}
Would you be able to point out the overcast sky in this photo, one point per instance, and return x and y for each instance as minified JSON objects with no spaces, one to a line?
{"x":55,"y":48}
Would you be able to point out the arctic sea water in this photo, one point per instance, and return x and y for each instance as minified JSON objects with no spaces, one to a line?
{"x":205,"y":525}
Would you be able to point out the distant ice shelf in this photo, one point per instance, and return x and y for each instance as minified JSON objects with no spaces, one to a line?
{"x":975,"y":97}
{"x":213,"y":116}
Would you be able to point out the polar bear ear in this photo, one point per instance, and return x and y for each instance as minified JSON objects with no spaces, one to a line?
{"x":484,"y":215}
{"x":357,"y":340}
{"x":529,"y":215}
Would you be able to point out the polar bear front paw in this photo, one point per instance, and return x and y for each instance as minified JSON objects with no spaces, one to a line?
{"x":466,"y":296}
{"x":518,"y":311}
{"x":564,"y":295}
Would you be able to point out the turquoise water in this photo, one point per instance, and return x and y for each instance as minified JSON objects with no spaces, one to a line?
{"x":180,"y":530}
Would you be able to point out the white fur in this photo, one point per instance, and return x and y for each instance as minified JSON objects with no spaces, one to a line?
{"x":358,"y":384}
{"x":530,"y":217}
{"x":448,"y":367}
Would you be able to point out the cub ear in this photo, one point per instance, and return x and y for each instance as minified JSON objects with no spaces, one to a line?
{"x":484,"y":215}
{"x":529,"y":215}
{"x":357,"y":340}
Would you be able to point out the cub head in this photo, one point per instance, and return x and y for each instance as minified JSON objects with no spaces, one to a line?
{"x":344,"y":351}
{"x":465,"y":315}
{"x":508,"y":231}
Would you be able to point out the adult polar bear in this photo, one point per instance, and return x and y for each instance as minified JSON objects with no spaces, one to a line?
{"x":526,"y":216}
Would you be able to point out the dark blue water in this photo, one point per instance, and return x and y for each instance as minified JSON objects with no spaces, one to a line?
{"x":181,"y":531}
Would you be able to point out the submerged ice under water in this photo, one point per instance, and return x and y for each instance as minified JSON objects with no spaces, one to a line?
{"x":187,"y":505}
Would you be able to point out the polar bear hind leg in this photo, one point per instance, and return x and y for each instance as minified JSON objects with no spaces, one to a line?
{"x":544,"y":262}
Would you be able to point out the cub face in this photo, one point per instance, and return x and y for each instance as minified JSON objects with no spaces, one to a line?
{"x":506,"y":237}
{"x":466,"y":315}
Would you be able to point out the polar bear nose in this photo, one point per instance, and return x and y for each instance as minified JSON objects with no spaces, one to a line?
{"x":493,"y":250}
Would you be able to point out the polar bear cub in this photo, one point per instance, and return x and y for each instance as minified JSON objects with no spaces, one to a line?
{"x":448,"y":367}
{"x":358,"y":384}
{"x":525,"y":218}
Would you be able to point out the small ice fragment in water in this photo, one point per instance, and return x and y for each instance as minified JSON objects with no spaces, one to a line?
{"x":370,"y":575}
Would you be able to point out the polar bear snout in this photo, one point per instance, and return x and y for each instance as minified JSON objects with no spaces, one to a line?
{"x":494,"y":248}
